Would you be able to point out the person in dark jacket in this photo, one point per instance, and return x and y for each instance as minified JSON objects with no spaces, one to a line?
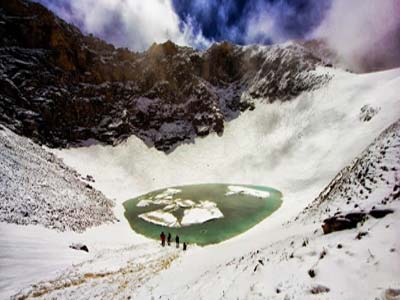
{"x":169,"y":237}
{"x":184,"y":246}
{"x":162,"y":237}
{"x":177,"y":241}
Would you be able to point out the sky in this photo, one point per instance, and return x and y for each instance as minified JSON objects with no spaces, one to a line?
{"x":252,"y":21}
{"x":136,"y":24}
{"x":364,"y":33}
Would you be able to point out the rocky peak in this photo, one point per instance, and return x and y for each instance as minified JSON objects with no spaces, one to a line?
{"x":222,"y":63}
{"x":161,"y":50}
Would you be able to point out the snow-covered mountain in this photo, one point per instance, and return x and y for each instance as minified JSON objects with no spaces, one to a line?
{"x":60,"y":87}
{"x":328,"y":139}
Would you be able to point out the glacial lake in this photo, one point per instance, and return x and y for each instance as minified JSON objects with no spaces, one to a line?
{"x":201,"y":214}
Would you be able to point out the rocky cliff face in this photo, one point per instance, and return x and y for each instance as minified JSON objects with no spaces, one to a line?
{"x":60,"y":87}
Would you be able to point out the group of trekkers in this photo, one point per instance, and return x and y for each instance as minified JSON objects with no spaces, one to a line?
{"x":169,"y":238}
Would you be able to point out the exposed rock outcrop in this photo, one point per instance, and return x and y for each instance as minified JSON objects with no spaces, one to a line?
{"x":79,"y":246}
{"x":342,"y":222}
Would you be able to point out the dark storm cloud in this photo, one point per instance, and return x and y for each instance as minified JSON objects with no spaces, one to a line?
{"x":237,"y":20}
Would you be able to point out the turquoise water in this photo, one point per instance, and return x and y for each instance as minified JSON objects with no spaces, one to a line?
{"x":241,"y":212}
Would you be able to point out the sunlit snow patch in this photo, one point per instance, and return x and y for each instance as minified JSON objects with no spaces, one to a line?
{"x":235,"y":189}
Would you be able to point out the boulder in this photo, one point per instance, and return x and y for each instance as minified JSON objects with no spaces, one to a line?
{"x":380,"y":213}
{"x":342,"y":222}
{"x":392,"y":294}
{"x":79,"y":246}
{"x":319,"y":289}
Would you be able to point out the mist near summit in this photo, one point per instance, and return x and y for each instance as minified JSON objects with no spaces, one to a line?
{"x":364,"y":33}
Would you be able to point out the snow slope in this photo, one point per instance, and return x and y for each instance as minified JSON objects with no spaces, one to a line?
{"x":37,"y":188}
{"x":297,"y":147}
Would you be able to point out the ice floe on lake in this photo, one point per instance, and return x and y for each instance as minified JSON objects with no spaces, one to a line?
{"x":235,"y":189}
{"x":160,"y":217}
{"x":194,"y":212}
{"x":203,"y":212}
{"x":168,"y":193}
{"x":164,"y":198}
{"x":170,"y":204}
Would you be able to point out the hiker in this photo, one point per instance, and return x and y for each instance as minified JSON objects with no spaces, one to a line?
{"x":169,"y":239}
{"x":184,"y":246}
{"x":177,"y":241}
{"x":162,"y":237}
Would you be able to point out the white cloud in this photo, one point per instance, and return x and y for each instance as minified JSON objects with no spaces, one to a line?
{"x":365,"y":33}
{"x":135,"y":24}
{"x":260,"y":26}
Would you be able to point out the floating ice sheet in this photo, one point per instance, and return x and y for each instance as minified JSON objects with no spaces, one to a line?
{"x":168,"y":193}
{"x":203,"y":212}
{"x":235,"y":189}
{"x":160,"y":217}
